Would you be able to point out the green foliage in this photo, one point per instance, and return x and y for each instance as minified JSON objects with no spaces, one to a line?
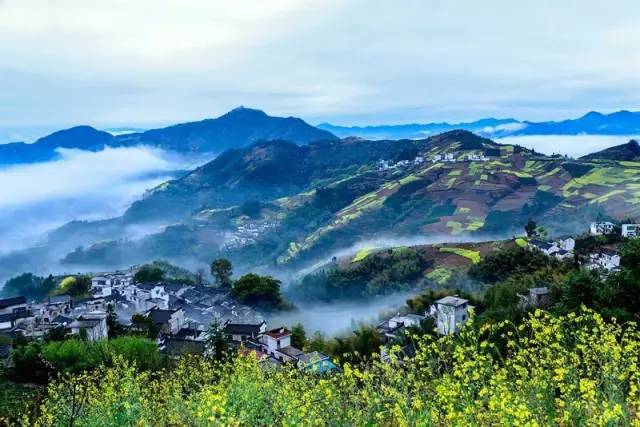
{"x":473,"y":256}
{"x":144,"y":326}
{"x":73,"y":286}
{"x":221,"y":270}
{"x":38,"y":361}
{"x":149,"y":274}
{"x":572,"y":370}
{"x":378,"y":273}
{"x":216,"y":342}
{"x":29,"y":285}
{"x":503,"y":263}
{"x":258,"y":291}
{"x":298,"y":336}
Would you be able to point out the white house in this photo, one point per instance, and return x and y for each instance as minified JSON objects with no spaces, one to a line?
{"x":450,"y":313}
{"x":94,"y":325}
{"x":537,"y":297}
{"x":241,"y":332}
{"x":168,"y":321}
{"x":630,"y":230}
{"x":548,"y":248}
{"x":568,"y":244}
{"x":600,"y":228}
{"x":562,"y":254}
{"x":606,"y":258}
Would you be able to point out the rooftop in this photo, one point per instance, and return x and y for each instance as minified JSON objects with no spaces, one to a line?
{"x":160,"y":316}
{"x":452,"y":301}
{"x":292,"y":352}
{"x":279,"y":333}
{"x":243,"y":328}
{"x":539,"y":291}
{"x":8,"y":302}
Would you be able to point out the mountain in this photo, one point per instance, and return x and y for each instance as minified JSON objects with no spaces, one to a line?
{"x":593,"y":123}
{"x":79,"y":137}
{"x":488,"y":126}
{"x":237,"y":128}
{"x":279,"y":203}
{"x":624,"y":152}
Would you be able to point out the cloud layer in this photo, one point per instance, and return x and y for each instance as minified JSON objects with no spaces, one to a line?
{"x":350,"y":62}
{"x":79,"y":185}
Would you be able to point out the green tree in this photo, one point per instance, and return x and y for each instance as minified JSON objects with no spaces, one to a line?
{"x":216,"y":342}
{"x":74,"y":286}
{"x":298,"y":336}
{"x":256,"y":290}
{"x":144,"y":326}
{"x":149,"y":274}
{"x":221,"y":270}
{"x":530,"y":228}
{"x":114,"y":327}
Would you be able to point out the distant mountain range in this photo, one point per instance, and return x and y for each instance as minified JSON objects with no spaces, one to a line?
{"x":593,"y":123}
{"x":279,"y":203}
{"x":237,"y":128}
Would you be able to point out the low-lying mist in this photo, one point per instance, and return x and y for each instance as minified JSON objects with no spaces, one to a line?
{"x":340,"y":317}
{"x":79,"y":184}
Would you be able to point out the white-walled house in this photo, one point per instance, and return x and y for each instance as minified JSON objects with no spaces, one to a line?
{"x":168,"y":321}
{"x":606,"y":258}
{"x":450,"y":314}
{"x":548,"y":248}
{"x":630,"y":230}
{"x":568,"y":244}
{"x":94,"y":325}
{"x":600,"y":228}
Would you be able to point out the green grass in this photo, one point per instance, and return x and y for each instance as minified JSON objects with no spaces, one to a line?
{"x":473,"y":256}
{"x":521,"y":242}
{"x":362,"y":254}
{"x":440,"y":275}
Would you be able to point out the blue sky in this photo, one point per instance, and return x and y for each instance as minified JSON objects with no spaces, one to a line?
{"x":151,"y":62}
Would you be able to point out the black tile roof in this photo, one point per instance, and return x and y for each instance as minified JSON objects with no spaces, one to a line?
{"x":8,"y":302}
{"x":242,"y":329}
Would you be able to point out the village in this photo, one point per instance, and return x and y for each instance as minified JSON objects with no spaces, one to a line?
{"x":419,"y":160}
{"x":182,"y":314}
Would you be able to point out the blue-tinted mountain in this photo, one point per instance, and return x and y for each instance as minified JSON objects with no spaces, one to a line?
{"x":593,"y":123}
{"x":489,"y":126}
{"x":238,"y":128}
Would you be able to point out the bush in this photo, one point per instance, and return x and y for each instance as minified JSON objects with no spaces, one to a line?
{"x":571,"y":370}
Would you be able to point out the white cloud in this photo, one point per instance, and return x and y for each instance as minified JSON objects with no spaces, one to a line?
{"x":572,"y":145}
{"x":504,"y":127}
{"x":354,"y":62}
{"x":79,"y":185}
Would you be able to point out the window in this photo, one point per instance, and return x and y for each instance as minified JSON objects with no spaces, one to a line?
{"x":464,"y":317}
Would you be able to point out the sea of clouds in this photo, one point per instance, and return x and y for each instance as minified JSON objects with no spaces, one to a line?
{"x":78,"y":185}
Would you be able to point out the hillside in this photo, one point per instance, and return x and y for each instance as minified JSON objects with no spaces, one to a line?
{"x":237,"y":128}
{"x":624,"y":152}
{"x":324,"y":197}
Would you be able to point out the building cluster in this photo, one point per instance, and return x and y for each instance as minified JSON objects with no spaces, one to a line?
{"x":561,"y":249}
{"x":388,"y":164}
{"x":87,"y":319}
{"x":180,"y":313}
{"x":273,"y":347}
{"x":247,"y":233}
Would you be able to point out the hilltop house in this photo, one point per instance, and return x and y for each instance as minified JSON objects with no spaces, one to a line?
{"x":450,"y":314}
{"x":315,"y":361}
{"x":630,"y":230}
{"x":600,"y":228}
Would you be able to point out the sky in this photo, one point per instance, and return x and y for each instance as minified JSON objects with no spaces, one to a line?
{"x":155,"y":62}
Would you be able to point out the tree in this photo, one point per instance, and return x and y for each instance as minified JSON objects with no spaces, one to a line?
{"x":29,"y":285}
{"x":221,"y":270}
{"x":74,"y":286}
{"x":144,"y":326}
{"x":148,"y":274}
{"x":256,"y":290}
{"x":530,"y":228}
{"x":216,"y":342}
{"x":298,"y":336}
{"x":114,"y":327}
{"x":199,"y":277}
